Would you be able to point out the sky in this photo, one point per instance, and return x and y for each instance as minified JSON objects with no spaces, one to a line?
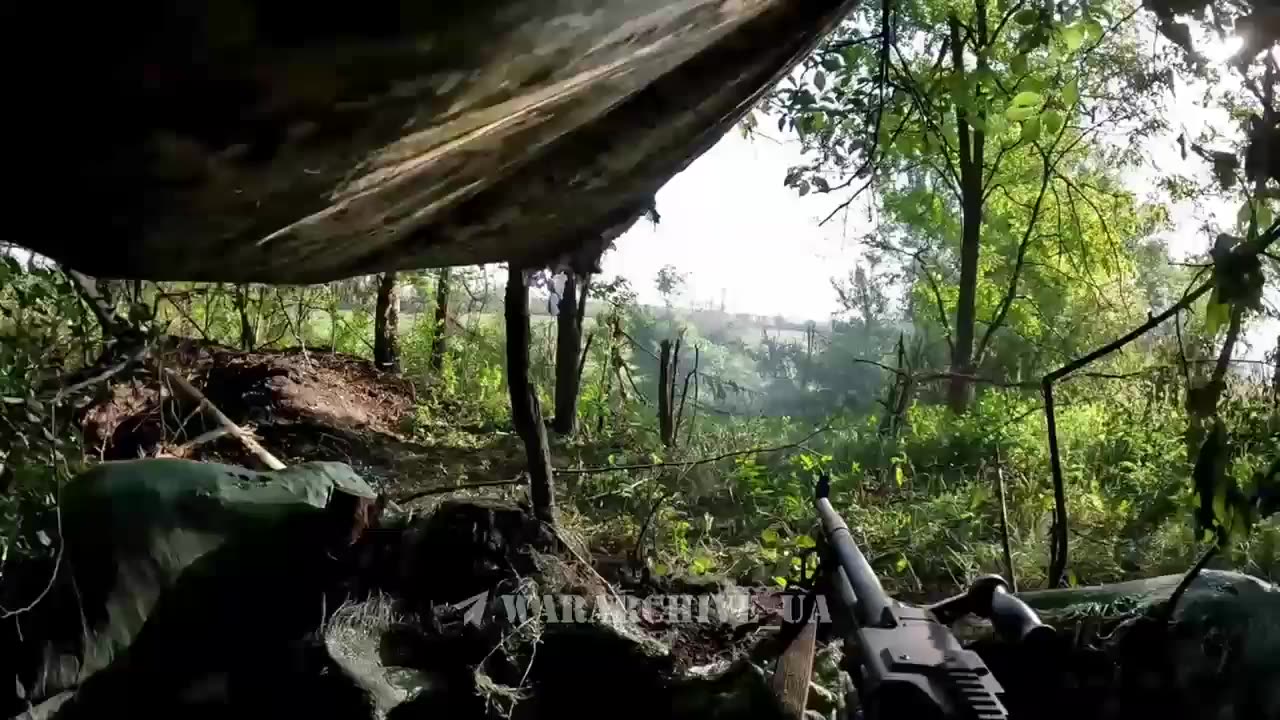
{"x":740,"y":235}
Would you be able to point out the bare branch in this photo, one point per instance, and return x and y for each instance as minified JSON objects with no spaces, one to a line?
{"x":524,"y":478}
{"x":937,"y":296}
{"x":700,"y":461}
{"x":1012,"y":292}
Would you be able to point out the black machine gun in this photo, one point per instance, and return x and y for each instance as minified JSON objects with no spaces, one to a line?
{"x":905,"y":661}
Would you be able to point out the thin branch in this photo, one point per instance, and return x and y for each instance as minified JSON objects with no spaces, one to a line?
{"x":644,"y":525}
{"x":5,"y":613}
{"x":937,"y":296}
{"x":700,"y":461}
{"x":933,"y":376}
{"x":638,"y":346}
{"x":1185,"y":583}
{"x":193,"y":395}
{"x":1190,"y":297}
{"x":1012,"y":292}
{"x":837,"y":45}
{"x":847,"y":202}
{"x":185,"y":316}
{"x":684,"y":392}
{"x":1228,"y":346}
{"x":105,"y":374}
{"x":524,"y":478}
{"x":1004,"y":20}
{"x":913,"y":89}
{"x":1004,"y":524}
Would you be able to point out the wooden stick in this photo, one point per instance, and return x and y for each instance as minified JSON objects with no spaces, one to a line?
{"x":215,"y":415}
{"x":795,"y":668}
{"x":1004,"y":525}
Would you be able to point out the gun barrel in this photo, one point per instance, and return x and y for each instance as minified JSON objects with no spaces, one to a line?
{"x":872,"y":609}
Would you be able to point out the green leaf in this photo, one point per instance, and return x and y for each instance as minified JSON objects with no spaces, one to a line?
{"x":985,"y":77}
{"x":660,"y":569}
{"x":1018,"y":66}
{"x":1031,"y":130}
{"x":1264,"y":215}
{"x":805,"y":542}
{"x":1018,"y":114}
{"x":820,"y":80}
{"x":702,"y":564}
{"x":1243,"y":215}
{"x":780,"y":581}
{"x":1035,"y":85}
{"x":902,"y":564}
{"x":1093,"y":29}
{"x":831,"y":63}
{"x":1027,"y":16}
{"x":1071,"y":93}
{"x":897,"y":475}
{"x":996,"y":125}
{"x":1026,"y":99}
{"x":769,"y":536}
{"x":1052,"y":120}
{"x":1216,"y":314}
{"x":1073,"y":36}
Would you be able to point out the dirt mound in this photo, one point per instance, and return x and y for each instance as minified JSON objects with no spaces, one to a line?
{"x":322,"y":388}
{"x":303,"y":406}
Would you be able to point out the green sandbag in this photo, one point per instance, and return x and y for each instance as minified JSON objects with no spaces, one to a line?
{"x":1120,"y":600}
{"x":1218,"y":657}
{"x":134,"y":529}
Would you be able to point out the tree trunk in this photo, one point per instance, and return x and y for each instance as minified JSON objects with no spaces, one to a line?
{"x":666,"y":426}
{"x":440,"y":338}
{"x":526,"y":415}
{"x":1275,"y":377}
{"x":568,"y":348}
{"x":248,"y":338}
{"x":605,"y":377}
{"x":386,"y":350}
{"x":971,"y":143}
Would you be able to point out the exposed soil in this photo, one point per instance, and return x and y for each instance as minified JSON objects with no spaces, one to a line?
{"x":303,"y":406}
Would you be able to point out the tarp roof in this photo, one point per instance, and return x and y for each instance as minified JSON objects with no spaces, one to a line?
{"x":298,"y":141}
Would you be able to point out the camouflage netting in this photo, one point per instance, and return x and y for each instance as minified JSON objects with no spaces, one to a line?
{"x":164,"y":555}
